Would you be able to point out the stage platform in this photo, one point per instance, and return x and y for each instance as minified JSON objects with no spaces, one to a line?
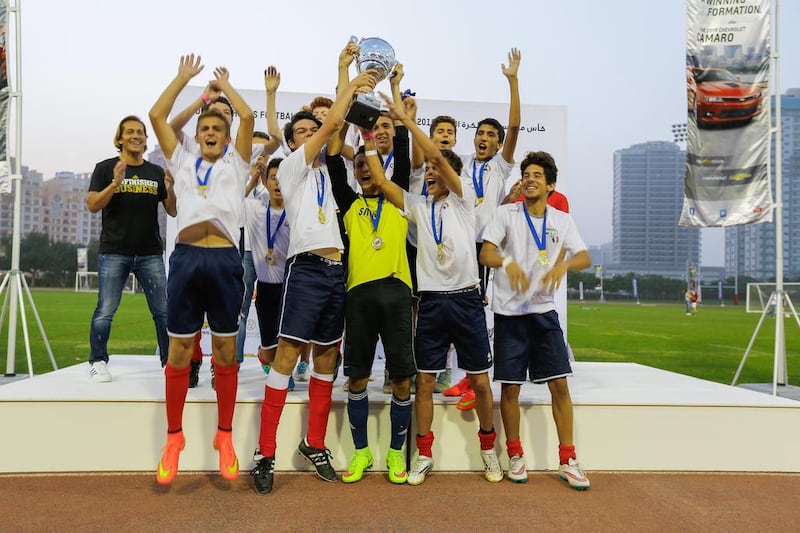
{"x":627,"y":417}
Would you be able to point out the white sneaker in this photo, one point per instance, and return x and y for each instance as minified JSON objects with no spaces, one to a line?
{"x":573,"y":474}
{"x":517,"y":469}
{"x":493,"y":472}
{"x":301,"y":372}
{"x":98,"y":371}
{"x":422,"y":466}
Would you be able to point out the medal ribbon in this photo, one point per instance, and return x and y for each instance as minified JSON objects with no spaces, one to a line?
{"x":320,"y":189}
{"x":376,"y":219}
{"x":478,"y":183}
{"x":271,"y":235}
{"x":541,"y":243}
{"x":437,"y":237}
{"x":204,"y":182}
{"x":389,"y":160}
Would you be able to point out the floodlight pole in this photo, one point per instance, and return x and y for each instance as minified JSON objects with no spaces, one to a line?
{"x":14,"y":280}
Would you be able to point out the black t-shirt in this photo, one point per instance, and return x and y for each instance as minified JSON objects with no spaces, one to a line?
{"x":130,"y":220}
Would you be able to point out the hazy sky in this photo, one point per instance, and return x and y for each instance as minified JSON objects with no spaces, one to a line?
{"x":617,"y":64}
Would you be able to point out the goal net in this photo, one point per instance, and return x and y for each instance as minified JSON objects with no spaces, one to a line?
{"x":758,"y":295}
{"x":87,"y":282}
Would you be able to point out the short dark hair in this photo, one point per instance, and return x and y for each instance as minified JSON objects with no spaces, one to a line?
{"x":274,"y":163}
{"x":260,"y":135}
{"x":288,"y":129}
{"x":440,"y":119}
{"x":215,"y":114}
{"x":453,"y":160}
{"x":118,"y":136}
{"x":221,"y":99}
{"x":501,"y":132}
{"x":544,"y":160}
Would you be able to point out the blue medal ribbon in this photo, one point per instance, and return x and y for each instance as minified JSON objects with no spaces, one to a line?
{"x":375,"y":219}
{"x":541,"y":242}
{"x":320,"y":189}
{"x":438,"y":237}
{"x":478,"y":182}
{"x":202,"y":184}
{"x":389,"y":160}
{"x":270,"y":234}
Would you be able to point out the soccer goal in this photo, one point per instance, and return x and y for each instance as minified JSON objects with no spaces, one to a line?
{"x":758,"y":295}
{"x":87,"y":282}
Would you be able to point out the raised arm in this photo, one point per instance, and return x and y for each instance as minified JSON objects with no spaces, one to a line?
{"x":170,"y":202}
{"x":390,"y":190}
{"x":514,"y":119}
{"x":435,"y":158}
{"x":179,"y":121}
{"x":188,"y":67}
{"x":272,"y":80}
{"x":402,"y":158}
{"x":362,"y":83}
{"x":342,"y":192}
{"x":244,"y":135}
{"x":346,"y":57}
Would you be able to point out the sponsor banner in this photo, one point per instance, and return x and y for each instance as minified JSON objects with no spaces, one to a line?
{"x":5,"y":175}
{"x":727,"y":75}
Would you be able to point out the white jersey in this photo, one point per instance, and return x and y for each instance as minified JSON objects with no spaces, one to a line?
{"x":256,"y":209}
{"x":495,"y":173}
{"x":223,"y":203}
{"x":300,"y":186}
{"x":456,"y":217}
{"x":509,"y":231}
{"x":191,"y":146}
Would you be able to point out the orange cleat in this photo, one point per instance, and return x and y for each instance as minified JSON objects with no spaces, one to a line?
{"x":228,"y":463}
{"x":467,"y":401}
{"x":459,"y":388}
{"x":168,"y":465}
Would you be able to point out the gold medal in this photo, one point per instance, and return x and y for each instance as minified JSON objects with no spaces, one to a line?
{"x":270,"y":258}
{"x":203,"y":190}
{"x":321,"y":216}
{"x":440,"y":253}
{"x":478,"y":201}
{"x":543,"y":259}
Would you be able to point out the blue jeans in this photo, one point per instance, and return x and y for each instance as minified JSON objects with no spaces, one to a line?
{"x":249,"y":282}
{"x":112,"y":272}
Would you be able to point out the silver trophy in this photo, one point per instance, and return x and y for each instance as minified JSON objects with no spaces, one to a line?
{"x":373,"y":54}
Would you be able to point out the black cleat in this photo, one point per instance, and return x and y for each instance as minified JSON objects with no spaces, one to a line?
{"x":263,"y":473}
{"x":194,"y":374}
{"x":321,"y":459}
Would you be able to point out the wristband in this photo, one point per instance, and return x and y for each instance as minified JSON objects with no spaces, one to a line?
{"x":368,"y":136}
{"x":370,"y":152}
{"x":205,"y":98}
{"x":507,"y":260}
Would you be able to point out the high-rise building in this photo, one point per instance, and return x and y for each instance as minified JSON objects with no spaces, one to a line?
{"x":753,"y":246}
{"x":648,"y":197}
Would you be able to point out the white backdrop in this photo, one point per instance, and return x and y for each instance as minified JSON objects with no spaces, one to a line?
{"x":543,"y":128}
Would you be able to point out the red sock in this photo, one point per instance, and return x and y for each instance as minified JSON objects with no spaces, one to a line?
{"x":319,"y":407}
{"x":514,"y":447}
{"x":487,"y":439}
{"x":271,"y":409}
{"x":425,"y":443}
{"x":565,"y":453}
{"x":176,"y":384}
{"x":197,"y":354}
{"x":227,"y":383}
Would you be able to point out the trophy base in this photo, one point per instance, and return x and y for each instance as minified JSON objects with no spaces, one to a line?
{"x":363,"y":114}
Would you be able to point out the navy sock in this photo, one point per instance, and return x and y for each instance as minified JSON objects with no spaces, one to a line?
{"x":357,"y":412}
{"x":400,"y":414}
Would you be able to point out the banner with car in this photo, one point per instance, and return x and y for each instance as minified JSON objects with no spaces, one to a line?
{"x":728,"y":147}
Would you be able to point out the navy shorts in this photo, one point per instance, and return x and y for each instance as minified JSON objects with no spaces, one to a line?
{"x":312,"y":303}
{"x":529,"y":347}
{"x":455,"y":317}
{"x":268,"y":307}
{"x":204,"y":281}
{"x":381,"y":307}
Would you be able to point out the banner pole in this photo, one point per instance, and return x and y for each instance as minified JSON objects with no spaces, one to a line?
{"x":779,"y":370}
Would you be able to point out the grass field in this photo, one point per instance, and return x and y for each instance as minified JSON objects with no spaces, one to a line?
{"x":709,"y":345}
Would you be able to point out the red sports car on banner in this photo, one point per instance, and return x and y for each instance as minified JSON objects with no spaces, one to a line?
{"x":716,"y":96}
